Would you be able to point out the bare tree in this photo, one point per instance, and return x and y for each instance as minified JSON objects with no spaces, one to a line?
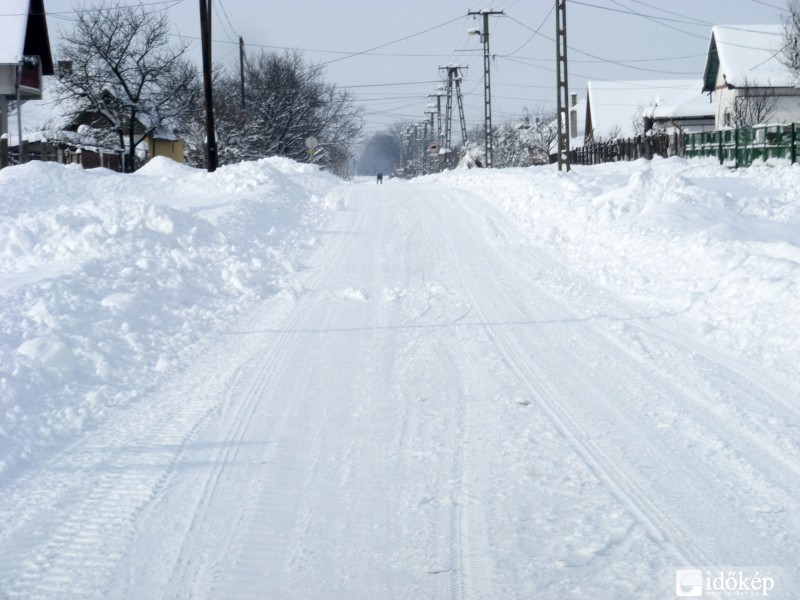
{"x":753,"y":105}
{"x":790,"y":54}
{"x":526,"y":140}
{"x":286,"y":101}
{"x":126,"y":74}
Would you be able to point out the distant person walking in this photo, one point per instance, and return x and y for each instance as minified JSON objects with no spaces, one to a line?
{"x":380,"y":178}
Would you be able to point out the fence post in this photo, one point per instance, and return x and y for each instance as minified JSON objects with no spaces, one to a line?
{"x":3,"y":153}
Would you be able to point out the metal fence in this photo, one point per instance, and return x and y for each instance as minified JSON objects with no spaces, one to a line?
{"x":742,"y":147}
{"x":731,"y":147}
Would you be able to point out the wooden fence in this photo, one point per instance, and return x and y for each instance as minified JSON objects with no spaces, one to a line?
{"x":61,"y":153}
{"x":627,"y":149}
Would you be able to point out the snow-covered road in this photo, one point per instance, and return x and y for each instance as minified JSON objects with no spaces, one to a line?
{"x":442,"y":410}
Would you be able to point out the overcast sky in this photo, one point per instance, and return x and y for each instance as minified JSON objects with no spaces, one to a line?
{"x":388,"y":52}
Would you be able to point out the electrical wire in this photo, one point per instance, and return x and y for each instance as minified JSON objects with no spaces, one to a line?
{"x":408,"y":37}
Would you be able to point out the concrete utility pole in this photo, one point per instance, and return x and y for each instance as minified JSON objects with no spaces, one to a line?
{"x":439,"y":139}
{"x":434,"y":142}
{"x":205,"y":38}
{"x":487,"y":86}
{"x":453,"y":81}
{"x":562,"y":85}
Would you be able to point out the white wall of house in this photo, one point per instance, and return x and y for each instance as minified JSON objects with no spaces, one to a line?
{"x":787,"y":109}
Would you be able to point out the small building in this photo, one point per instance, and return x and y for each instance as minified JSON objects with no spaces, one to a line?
{"x":25,"y":55}
{"x":618,"y":109}
{"x":744,"y":68}
{"x":155,"y":141}
{"x":690,"y":111}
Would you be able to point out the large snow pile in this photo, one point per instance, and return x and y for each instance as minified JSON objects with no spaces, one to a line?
{"x":108,"y":281}
{"x":720,"y":248}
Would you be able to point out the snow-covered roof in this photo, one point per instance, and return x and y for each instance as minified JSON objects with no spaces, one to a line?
{"x":41,"y":114}
{"x":690,"y":104}
{"x":746,"y":54}
{"x":13,"y":25}
{"x":613,"y":106}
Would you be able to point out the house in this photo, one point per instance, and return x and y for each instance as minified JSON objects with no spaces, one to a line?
{"x":24,"y":54}
{"x":690,"y":111}
{"x":744,"y":70}
{"x":85,"y":140}
{"x":157,"y":140}
{"x":618,"y":109}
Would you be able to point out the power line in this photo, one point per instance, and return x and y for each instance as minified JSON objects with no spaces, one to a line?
{"x":408,"y":37}
{"x":533,"y":35}
{"x":229,"y":28}
{"x":605,"y":60}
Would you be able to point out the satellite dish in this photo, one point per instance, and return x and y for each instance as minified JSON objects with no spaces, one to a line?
{"x":311,"y":142}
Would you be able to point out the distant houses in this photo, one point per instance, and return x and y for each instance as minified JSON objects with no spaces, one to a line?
{"x":744,"y":83}
{"x":29,"y":111}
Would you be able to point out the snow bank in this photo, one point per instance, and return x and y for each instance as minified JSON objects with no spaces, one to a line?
{"x":716,"y":247}
{"x":107,"y":281}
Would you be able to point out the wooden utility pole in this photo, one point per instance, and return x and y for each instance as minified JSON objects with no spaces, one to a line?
{"x":562,"y":85}
{"x":205,"y":37}
{"x":241,"y":66}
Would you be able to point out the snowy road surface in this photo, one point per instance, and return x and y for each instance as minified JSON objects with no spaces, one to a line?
{"x":442,"y":410}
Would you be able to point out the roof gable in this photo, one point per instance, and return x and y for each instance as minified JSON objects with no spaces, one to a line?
{"x":746,"y":54}
{"x":23,"y":32}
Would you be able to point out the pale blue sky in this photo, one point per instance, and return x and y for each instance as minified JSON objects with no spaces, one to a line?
{"x":607,"y":42}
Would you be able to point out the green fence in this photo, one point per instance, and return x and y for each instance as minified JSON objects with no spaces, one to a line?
{"x":743,"y":147}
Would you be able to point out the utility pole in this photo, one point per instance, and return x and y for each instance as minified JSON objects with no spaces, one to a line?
{"x":562,"y":85}
{"x":434,"y":164}
{"x":205,"y":37}
{"x":241,"y":67}
{"x":453,"y":81}
{"x":424,"y":146}
{"x":487,"y":86}
{"x":439,"y":139}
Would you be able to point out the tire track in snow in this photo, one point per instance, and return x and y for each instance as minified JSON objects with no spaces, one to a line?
{"x":79,"y":535}
{"x":243,"y":399}
{"x":622,"y":484}
{"x":736,"y":428}
{"x":94,"y":504}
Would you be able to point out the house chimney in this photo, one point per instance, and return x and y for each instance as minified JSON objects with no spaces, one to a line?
{"x":574,"y":100}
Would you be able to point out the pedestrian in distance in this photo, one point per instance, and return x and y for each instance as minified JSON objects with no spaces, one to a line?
{"x":380,"y":178}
